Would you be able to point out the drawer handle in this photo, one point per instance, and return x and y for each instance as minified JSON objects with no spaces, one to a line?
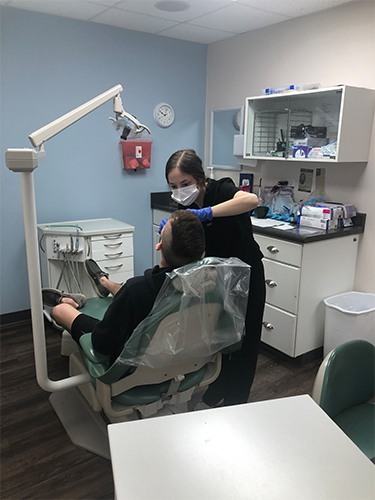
{"x":113,"y":255}
{"x":271,"y":283}
{"x":113,"y":245}
{"x":112,"y":236}
{"x":273,"y":249}
{"x":114,"y":268}
{"x":267,"y":326}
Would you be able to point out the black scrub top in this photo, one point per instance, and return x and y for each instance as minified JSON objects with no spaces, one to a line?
{"x":228,"y":236}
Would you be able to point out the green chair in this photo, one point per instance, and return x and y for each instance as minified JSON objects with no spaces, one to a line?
{"x":344,"y":387}
{"x":175,"y":352}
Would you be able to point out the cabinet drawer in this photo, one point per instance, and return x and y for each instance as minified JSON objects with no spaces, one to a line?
{"x":279,"y":250}
{"x":282,"y":285}
{"x":112,"y":248}
{"x":121,"y":276}
{"x":117,"y":265}
{"x":279,"y":329}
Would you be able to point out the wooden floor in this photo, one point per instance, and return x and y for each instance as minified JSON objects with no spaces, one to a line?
{"x":39,"y":462}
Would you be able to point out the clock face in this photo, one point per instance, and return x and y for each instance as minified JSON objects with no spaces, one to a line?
{"x":164,"y":115}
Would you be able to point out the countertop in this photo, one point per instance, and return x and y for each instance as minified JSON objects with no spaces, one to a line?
{"x":282,"y":448}
{"x":163,"y":201}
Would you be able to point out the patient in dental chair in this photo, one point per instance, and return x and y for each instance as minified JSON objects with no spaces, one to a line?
{"x":181,"y":242}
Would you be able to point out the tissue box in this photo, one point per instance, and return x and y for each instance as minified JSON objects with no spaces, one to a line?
{"x":322,"y":212}
{"x":317,"y":223}
{"x":313,"y":142}
{"x":348,"y":210}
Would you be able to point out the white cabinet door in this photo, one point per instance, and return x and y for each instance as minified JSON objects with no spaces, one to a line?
{"x":279,"y":329}
{"x":279,"y":250}
{"x":282,"y":285}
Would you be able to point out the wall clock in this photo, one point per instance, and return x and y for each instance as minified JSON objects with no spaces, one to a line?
{"x":164,"y":114}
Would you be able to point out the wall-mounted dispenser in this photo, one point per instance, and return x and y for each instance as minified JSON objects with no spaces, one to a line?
{"x":136,"y":153}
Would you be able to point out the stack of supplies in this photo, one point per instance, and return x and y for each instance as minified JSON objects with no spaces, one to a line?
{"x":327,"y":215}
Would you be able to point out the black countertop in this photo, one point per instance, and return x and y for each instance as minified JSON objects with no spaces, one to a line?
{"x":163,"y":201}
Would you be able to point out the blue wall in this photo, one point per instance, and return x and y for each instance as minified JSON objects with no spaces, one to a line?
{"x":49,"y":66}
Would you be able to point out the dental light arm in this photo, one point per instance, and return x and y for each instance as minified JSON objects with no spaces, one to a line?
{"x":24,"y":161}
{"x":45,"y":133}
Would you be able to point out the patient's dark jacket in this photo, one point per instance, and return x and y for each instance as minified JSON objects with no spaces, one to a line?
{"x":132,"y":303}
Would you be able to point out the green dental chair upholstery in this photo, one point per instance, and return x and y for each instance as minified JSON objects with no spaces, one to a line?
{"x":344,"y":387}
{"x":175,"y":352}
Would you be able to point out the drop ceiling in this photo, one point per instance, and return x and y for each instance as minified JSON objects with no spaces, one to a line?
{"x":202,"y":21}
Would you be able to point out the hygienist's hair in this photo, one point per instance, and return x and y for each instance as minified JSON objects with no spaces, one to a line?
{"x":183,"y":240}
{"x":188,"y":162}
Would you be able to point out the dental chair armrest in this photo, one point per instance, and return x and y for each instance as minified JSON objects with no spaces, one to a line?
{"x":89,"y":352}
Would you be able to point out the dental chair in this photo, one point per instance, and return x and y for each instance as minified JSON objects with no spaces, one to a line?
{"x":174,"y":353}
{"x":345,"y":388}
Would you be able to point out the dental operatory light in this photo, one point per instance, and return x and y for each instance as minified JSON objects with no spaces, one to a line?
{"x":25,"y":161}
{"x":124,"y":121}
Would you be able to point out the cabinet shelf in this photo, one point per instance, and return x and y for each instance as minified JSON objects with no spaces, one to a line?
{"x":324,"y":125}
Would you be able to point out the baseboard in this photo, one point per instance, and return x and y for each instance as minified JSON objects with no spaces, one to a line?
{"x":16,"y":317}
{"x":307,"y":357}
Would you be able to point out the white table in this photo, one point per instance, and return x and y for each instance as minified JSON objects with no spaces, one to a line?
{"x":281,"y":449}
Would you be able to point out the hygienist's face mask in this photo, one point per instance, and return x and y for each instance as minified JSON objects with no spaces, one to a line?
{"x":186,"y":195}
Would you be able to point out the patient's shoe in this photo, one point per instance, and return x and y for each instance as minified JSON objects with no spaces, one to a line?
{"x":52,"y":297}
{"x":95,"y":273}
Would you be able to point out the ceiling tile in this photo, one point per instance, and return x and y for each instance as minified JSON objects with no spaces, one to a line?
{"x":205,"y":21}
{"x":68,"y":8}
{"x":238,"y":18}
{"x":133,"y":21}
{"x":197,"y":34}
{"x":106,"y":3}
{"x":197,"y":8}
{"x":293,"y":8}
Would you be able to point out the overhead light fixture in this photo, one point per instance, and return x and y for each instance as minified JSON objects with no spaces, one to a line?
{"x":172,"y":5}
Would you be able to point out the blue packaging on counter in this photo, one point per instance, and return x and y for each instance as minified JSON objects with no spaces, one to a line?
{"x":301,"y":151}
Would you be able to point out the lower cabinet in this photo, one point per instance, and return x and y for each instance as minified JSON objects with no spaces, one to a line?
{"x":298,"y":278}
{"x":64,"y":247}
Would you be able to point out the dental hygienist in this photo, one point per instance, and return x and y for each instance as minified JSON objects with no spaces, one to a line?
{"x":224,"y":212}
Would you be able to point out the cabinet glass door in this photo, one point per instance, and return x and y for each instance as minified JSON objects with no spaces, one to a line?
{"x":299,"y":125}
{"x":270,"y":127}
{"x":314,"y":124}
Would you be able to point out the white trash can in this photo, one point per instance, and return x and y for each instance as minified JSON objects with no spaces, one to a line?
{"x":349,"y":316}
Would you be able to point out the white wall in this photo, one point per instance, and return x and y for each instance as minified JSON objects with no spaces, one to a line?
{"x":332,"y":47}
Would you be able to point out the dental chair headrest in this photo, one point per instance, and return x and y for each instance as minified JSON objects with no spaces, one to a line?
{"x":200,"y":281}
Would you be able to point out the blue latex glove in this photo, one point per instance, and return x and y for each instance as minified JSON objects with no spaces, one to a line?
{"x":203,"y":214}
{"x":162,"y":224}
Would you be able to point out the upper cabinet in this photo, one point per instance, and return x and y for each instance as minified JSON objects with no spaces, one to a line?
{"x":324,"y":125}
